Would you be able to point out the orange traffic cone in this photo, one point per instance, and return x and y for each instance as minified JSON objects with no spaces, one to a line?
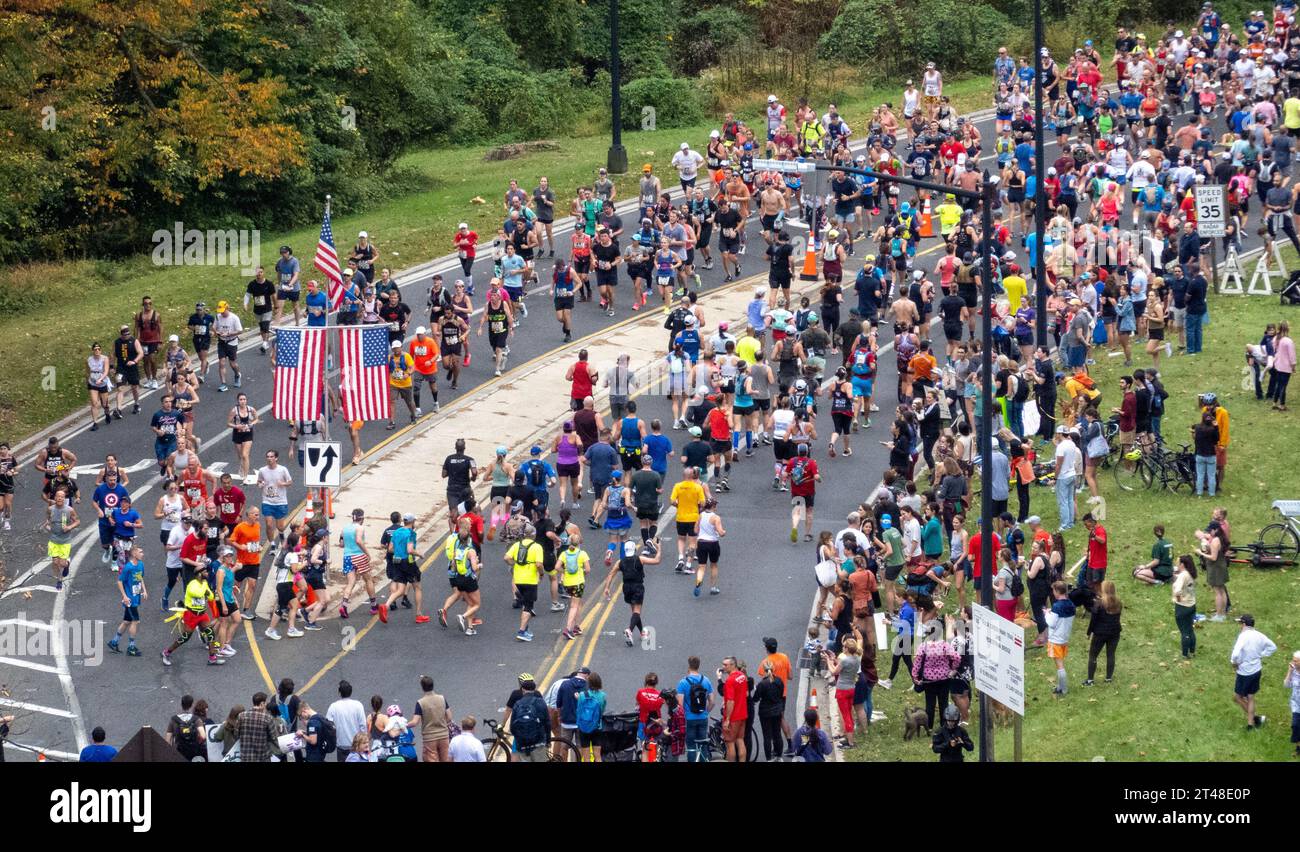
{"x":927,"y":221}
{"x":812,"y":705}
{"x":810,"y":261}
{"x":308,"y":514}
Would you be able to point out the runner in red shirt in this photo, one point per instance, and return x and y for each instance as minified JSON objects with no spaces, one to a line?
{"x":801,"y":472}
{"x":582,"y":262}
{"x":194,"y":482}
{"x":194,"y":551}
{"x":229,"y":500}
{"x":1096,"y":552}
{"x":466,"y":245}
{"x":581,"y":376}
{"x":719,"y":423}
{"x":735,"y":710}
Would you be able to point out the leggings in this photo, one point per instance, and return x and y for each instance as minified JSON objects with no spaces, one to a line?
{"x":1022,"y":500}
{"x":1185,"y":617}
{"x":1277,"y":382}
{"x":844,"y":699}
{"x":893,"y":667}
{"x":1038,"y":600}
{"x":936,"y":696}
{"x":1094,"y":650}
{"x":772,"y":742}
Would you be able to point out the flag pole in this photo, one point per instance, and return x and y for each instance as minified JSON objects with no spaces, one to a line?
{"x":326,"y":502}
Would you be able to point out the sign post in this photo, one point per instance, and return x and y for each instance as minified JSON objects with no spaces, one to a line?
{"x":999,"y":651}
{"x":1212,"y":222}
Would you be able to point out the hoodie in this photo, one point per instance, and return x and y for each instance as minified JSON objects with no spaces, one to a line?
{"x":1060,"y":621}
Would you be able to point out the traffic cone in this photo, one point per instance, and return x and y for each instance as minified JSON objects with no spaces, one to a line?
{"x":812,"y":705}
{"x":927,"y":221}
{"x":810,"y":261}
{"x":308,"y":513}
{"x":651,"y":751}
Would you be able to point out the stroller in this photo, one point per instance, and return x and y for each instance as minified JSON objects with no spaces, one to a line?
{"x":618,"y":737}
{"x":1291,"y":292}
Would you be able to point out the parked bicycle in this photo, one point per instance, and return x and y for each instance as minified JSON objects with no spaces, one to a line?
{"x":500,"y":747}
{"x":1278,"y":545}
{"x":1145,"y":465}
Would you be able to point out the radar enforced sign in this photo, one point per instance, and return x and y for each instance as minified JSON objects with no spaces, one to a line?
{"x":1211,"y":211}
{"x":999,"y":658}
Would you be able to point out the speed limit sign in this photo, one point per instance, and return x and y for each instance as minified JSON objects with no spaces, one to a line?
{"x":1211,"y":211}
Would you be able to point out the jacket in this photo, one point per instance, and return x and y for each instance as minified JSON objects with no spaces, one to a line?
{"x":1060,"y":621}
{"x":1103,"y":625}
{"x":951,"y":753}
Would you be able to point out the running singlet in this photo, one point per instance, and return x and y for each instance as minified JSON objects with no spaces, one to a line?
{"x":451,"y":337}
{"x":841,"y":402}
{"x":194,"y":488}
{"x":498,"y":322}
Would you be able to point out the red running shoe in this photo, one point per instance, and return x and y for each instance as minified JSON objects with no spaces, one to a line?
{"x":383,"y":613}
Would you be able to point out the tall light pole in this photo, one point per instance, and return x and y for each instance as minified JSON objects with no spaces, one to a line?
{"x":1040,"y":194}
{"x":616,"y":162}
{"x":985,"y":431}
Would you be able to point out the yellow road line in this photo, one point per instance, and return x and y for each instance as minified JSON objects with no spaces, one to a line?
{"x":595,"y":634}
{"x":569,"y":646}
{"x":348,"y":648}
{"x":257,"y":656}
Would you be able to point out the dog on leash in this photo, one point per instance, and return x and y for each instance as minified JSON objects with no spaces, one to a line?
{"x":914,"y":720}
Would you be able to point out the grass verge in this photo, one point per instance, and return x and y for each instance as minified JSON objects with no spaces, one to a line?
{"x":1159,"y":708}
{"x":51,"y":312}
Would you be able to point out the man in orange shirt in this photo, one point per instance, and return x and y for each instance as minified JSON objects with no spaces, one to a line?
{"x":246,"y":538}
{"x":780,"y":664}
{"x":424,"y":352}
{"x":922,"y":367}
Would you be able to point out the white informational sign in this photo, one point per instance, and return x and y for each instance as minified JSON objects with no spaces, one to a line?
{"x":321,"y":464}
{"x":1211,"y":211}
{"x":999,"y":651}
{"x":784,"y":166}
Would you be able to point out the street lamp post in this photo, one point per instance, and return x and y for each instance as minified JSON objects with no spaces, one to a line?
{"x":1040,"y":194}
{"x":616,"y":162}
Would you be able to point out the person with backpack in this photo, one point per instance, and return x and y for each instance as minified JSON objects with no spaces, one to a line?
{"x":615,"y":504}
{"x":802,"y":475}
{"x":696,"y":692}
{"x":185,"y":733}
{"x":1007,"y":585}
{"x":589,"y":717}
{"x":566,"y":701}
{"x":540,"y":476}
{"x":319,"y":734}
{"x":526,"y":559}
{"x":811,"y":744}
{"x":285,"y":710}
{"x":529,"y":719}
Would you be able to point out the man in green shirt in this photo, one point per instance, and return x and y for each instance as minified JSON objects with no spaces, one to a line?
{"x":1161,"y":567}
{"x":894,"y":560}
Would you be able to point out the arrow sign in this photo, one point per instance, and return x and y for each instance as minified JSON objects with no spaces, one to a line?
{"x":321,"y":469}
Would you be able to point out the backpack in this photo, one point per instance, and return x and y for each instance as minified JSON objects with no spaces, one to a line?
{"x":617,"y":502}
{"x":536,"y":474}
{"x":526,"y":721}
{"x":328,"y":740}
{"x":797,"y":471}
{"x":187,"y":737}
{"x":1017,"y":584}
{"x":521,"y":551}
{"x":1085,"y":380}
{"x":697,"y":698}
{"x":588,"y":713}
{"x":282,"y":708}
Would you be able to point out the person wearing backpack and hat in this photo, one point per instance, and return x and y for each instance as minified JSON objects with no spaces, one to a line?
{"x":526,"y":557}
{"x":319,"y":734}
{"x":529,"y":720}
{"x":589,"y":719}
{"x":566,"y":701}
{"x":697,"y":699}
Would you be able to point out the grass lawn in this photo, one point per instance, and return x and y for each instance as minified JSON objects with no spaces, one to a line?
{"x":52,"y":311}
{"x":1159,"y":708}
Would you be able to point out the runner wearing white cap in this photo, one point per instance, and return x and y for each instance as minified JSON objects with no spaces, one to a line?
{"x":687,"y":162}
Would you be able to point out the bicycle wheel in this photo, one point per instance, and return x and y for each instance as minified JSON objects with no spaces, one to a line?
{"x":497,"y":750}
{"x":1279,"y":540}
{"x":1129,"y":473}
{"x":1182,"y":476}
{"x":751,"y":746}
{"x":563,"y":750}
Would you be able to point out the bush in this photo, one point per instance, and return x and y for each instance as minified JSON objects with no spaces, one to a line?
{"x":676,"y":102}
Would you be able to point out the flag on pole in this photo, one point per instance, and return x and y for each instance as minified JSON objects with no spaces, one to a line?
{"x":299,"y":371}
{"x":327,"y":261}
{"x":363,"y":367}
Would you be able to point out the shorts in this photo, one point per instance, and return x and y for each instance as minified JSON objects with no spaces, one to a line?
{"x":778,"y":283}
{"x":763,"y":404}
{"x":733,"y":731}
{"x":1178,"y":317}
{"x":708,"y":551}
{"x":861,"y":387}
{"x":247,"y":572}
{"x":130,"y":613}
{"x":808,"y":500}
{"x":242,"y":437}
{"x":619,"y":524}
{"x":527,"y":595}
{"x":464,"y":583}
{"x":228,"y":350}
{"x":1075,"y":356}
{"x":843,"y":422}
{"x":194,"y":620}
{"x":225,"y":609}
{"x":1247,"y":684}
{"x":287,"y":295}
{"x":352,"y":563}
{"x":314,"y":578}
{"x":742,"y":410}
{"x":406,"y":572}
{"x":959,"y":686}
{"x":634,"y":593}
{"x":264,"y":325}
{"x":783,"y":449}
{"x":686,"y":528}
{"x":729,"y":245}
{"x":720,"y":445}
{"x":1057,"y":652}
{"x":1094,"y":576}
{"x":606,"y":277}
{"x":275,"y":510}
{"x":969,"y":295}
{"x":283,"y":595}
{"x":202,"y":344}
{"x":592,"y":740}
{"x":100,"y":389}
{"x":892,"y":572}
{"x":582,"y":264}
{"x":55,"y":550}
{"x":1126,"y":438}
{"x":577,"y":591}
{"x":573,"y":471}
{"x":128,"y":375}
{"x":952,"y":332}
{"x":105,"y":533}
{"x":562,"y":303}
{"x":769,"y":222}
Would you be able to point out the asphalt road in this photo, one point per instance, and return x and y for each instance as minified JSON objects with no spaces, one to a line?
{"x":767,"y":582}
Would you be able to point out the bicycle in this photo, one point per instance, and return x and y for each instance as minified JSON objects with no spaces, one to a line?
{"x":718,"y":747}
{"x":1278,"y":545}
{"x":500,"y":747}
{"x":1145,"y":465}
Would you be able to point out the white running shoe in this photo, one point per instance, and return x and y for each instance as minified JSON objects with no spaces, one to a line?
{"x":294,"y":632}
{"x":273,"y":635}
{"x":226,"y":651}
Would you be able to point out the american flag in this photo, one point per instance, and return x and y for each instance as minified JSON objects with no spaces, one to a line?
{"x":363,"y":368}
{"x":299,"y":367}
{"x":327,"y":261}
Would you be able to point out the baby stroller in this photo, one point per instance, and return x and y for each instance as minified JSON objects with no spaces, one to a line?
{"x":1291,"y":292}
{"x":618,"y":737}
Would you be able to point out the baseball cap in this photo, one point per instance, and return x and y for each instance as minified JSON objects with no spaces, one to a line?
{"x":173,"y":339}
{"x":583,"y":670}
{"x":501,"y":451}
{"x":421,"y":330}
{"x":396,"y":344}
{"x":125,"y":328}
{"x":1033,"y":519}
{"x":647,"y":168}
{"x":618,"y":474}
{"x":686,"y":146}
{"x":221,"y":306}
{"x":695,"y":431}
{"x":713,"y":134}
{"x":363,"y":235}
{"x":535,"y":451}
{"x":200,"y":305}
{"x":408,"y":517}
{"x":771,"y":99}
{"x":463,"y":225}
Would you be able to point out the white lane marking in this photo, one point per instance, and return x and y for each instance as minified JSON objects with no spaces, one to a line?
{"x":94,"y":469}
{"x":35,"y":708}
{"x":48,"y":752}
{"x":28,"y":664}
{"x":29,"y":625}
{"x":15,"y":591}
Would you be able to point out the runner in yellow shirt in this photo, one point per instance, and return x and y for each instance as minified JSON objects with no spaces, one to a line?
{"x":573,"y":563}
{"x":687,"y":496}
{"x":400,"y":367}
{"x":526,"y":560}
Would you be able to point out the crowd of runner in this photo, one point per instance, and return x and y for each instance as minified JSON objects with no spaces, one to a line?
{"x":1125,"y":269}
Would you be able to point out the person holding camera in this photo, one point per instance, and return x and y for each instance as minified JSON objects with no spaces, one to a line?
{"x":951,"y":739}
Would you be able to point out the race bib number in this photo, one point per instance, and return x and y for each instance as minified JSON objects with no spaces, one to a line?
{"x":392,"y":326}
{"x":260,"y":301}
{"x":227,"y":509}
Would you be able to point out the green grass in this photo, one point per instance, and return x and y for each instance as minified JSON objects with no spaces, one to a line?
{"x":50,"y":312}
{"x":1159,"y":708}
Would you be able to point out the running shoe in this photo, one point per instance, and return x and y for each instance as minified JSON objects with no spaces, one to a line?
{"x":133,"y":651}
{"x":239,"y":380}
{"x":273,"y":635}
{"x":698,"y":584}
{"x":249,"y":614}
{"x":568,"y":634}
{"x":114,"y":647}
{"x":442,"y":618}
{"x":383,"y":613}
{"x":627,"y":637}
{"x":524,"y":636}
{"x":681,"y":567}
{"x":226,"y":651}
{"x":166,"y":658}
{"x":216,"y":661}
{"x":422,"y":619}
{"x":311,"y":625}
{"x":461,"y":620}
{"x":406,"y":602}
{"x":343,"y":611}
{"x":294,"y":632}
{"x":794,"y":535}
{"x":556,"y":606}
{"x":715,"y":590}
